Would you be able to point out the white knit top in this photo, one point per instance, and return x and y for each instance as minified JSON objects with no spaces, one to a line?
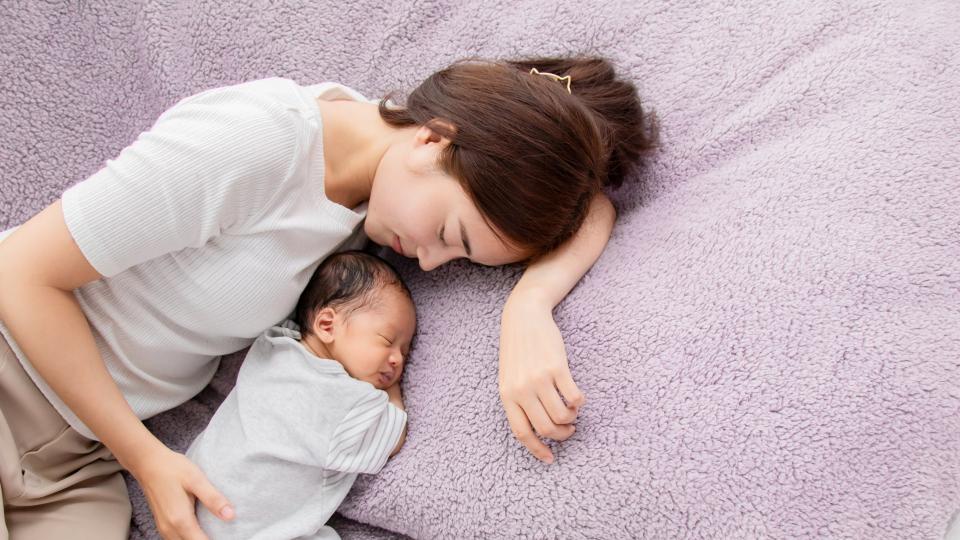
{"x":206,"y":230}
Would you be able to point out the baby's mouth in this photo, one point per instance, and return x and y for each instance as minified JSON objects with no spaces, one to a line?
{"x":385,"y":378}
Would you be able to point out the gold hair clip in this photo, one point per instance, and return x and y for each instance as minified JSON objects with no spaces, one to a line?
{"x":561,"y":80}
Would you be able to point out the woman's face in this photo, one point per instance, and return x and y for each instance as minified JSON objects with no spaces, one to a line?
{"x":412,"y":202}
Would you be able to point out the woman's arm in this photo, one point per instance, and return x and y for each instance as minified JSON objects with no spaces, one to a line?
{"x":40,"y":266}
{"x":551,"y":278}
{"x":533,"y":361}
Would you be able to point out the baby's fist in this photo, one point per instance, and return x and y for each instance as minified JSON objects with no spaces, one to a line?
{"x":396,"y":397}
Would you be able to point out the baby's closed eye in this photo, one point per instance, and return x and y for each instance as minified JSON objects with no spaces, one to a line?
{"x":405,"y":352}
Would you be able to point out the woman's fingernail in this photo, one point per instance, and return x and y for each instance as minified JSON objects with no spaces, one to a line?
{"x":226,"y":512}
{"x":549,"y":460}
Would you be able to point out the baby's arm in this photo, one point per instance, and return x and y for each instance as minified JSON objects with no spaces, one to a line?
{"x":397,"y":399}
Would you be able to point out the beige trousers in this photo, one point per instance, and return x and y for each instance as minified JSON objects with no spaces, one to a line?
{"x":55,"y":483}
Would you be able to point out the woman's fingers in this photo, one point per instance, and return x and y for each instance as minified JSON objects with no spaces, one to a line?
{"x":570,"y":392}
{"x":542,"y":423}
{"x":520,"y":426}
{"x":559,"y":413}
{"x":172,"y":483}
{"x":542,"y":413}
{"x":212,"y":499}
{"x":187,"y":528}
{"x":182,"y":523}
{"x":536,"y":388}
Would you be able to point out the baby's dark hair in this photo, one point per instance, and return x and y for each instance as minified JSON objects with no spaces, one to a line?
{"x":346,"y":281}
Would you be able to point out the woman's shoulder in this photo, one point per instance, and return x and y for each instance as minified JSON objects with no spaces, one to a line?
{"x":272,"y":93}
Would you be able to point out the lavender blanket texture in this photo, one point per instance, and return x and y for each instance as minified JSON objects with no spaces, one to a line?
{"x":769,"y":344}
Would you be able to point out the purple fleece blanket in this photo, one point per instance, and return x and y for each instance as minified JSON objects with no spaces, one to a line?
{"x":770,"y":344}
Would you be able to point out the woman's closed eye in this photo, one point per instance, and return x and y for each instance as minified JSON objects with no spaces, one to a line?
{"x":442,"y":239}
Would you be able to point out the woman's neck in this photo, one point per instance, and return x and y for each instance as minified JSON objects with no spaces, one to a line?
{"x":354,"y":140}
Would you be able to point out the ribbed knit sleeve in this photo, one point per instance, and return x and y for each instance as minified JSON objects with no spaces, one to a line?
{"x":368,"y":433}
{"x":209,"y":163}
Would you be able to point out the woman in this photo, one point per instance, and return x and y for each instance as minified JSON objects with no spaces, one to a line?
{"x":204,"y":231}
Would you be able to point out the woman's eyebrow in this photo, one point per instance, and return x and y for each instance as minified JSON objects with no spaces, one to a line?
{"x":463,"y":236}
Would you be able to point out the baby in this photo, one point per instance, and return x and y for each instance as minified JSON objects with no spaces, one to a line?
{"x":309,"y":411}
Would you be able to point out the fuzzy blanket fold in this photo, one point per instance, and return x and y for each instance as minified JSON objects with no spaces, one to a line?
{"x":769,"y":343}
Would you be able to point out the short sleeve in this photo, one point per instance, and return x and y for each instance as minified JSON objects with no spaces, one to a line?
{"x":368,"y":433}
{"x":209,"y":163}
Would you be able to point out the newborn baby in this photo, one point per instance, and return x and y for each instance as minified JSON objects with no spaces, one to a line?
{"x":311,"y":410}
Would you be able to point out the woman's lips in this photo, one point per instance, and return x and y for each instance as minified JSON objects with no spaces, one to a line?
{"x":397,"y":246}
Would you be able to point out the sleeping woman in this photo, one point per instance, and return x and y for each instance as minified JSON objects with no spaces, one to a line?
{"x":118,"y":299}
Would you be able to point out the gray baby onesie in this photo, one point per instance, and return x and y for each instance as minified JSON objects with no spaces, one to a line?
{"x":289,"y":440}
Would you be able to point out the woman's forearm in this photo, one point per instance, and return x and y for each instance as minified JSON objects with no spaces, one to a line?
{"x":50,"y":328}
{"x":40,"y":267}
{"x":552,"y":277}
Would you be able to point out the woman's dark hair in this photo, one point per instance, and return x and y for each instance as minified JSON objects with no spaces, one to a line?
{"x":346,"y":281}
{"x":529,"y":154}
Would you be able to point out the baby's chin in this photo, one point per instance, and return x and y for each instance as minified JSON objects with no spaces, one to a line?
{"x":381,"y":382}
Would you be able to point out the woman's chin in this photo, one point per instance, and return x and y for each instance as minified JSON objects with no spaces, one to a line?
{"x":368,"y":232}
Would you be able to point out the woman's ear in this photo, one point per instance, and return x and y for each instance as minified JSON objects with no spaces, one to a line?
{"x":323,"y":324}
{"x":437,"y":130}
{"x":427,"y":145}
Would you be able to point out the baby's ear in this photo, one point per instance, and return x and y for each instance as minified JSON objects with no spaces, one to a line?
{"x":323,"y":322}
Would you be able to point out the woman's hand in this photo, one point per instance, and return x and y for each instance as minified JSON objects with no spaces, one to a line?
{"x":534,"y":375}
{"x":172,"y":483}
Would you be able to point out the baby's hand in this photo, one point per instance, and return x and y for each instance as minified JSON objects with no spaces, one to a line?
{"x":395,"y":396}
{"x":397,"y":399}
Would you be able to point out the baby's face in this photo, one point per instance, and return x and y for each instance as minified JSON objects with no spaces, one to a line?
{"x":373,"y":344}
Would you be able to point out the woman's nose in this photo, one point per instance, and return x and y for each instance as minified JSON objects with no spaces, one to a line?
{"x":431,"y":258}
